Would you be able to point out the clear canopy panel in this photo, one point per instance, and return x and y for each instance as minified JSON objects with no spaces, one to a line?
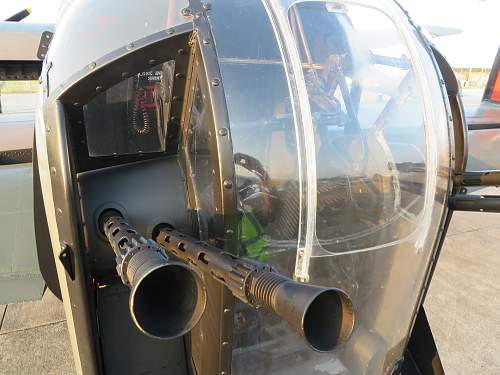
{"x":131,"y":117}
{"x":341,"y":154}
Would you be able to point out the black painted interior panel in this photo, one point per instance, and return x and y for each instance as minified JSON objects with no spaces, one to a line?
{"x":125,"y":349}
{"x":146,"y":193}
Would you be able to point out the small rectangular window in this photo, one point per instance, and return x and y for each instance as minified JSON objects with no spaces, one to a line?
{"x":132,"y":116}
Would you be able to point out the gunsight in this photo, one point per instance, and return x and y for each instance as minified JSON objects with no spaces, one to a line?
{"x":168,"y":298}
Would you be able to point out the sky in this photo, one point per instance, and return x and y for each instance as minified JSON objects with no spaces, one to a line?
{"x":44,"y":11}
{"x":476,"y":46}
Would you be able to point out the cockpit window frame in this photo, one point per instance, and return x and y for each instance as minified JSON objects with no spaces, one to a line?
{"x":204,"y":71}
{"x":167,"y":45}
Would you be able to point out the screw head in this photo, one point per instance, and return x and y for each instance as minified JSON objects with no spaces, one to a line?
{"x":222,"y":131}
{"x":92,"y":65}
{"x":227,"y":184}
{"x":215,"y":82}
{"x":187,"y":12}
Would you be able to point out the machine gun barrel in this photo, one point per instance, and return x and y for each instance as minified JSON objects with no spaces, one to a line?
{"x":323,"y":316}
{"x":159,"y":308}
{"x":168,"y":297}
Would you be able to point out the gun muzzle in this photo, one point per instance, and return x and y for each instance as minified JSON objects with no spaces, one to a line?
{"x":167,"y":298}
{"x":323,"y":316}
